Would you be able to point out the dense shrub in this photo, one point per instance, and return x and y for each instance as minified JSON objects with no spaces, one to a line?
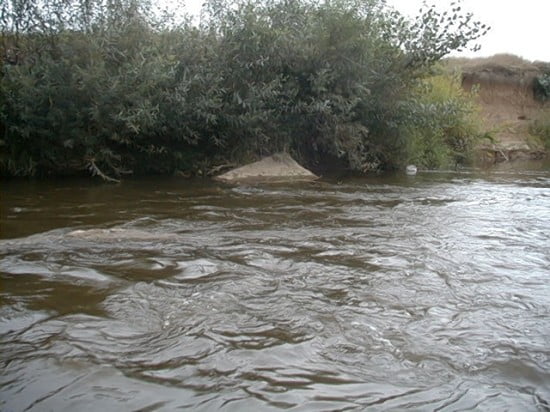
{"x":542,"y":86}
{"x":111,"y":89}
{"x":443,"y":126}
{"x":540,"y":127}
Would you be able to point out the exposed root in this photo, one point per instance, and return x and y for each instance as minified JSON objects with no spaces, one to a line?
{"x":96,"y":171}
{"x":503,"y":154}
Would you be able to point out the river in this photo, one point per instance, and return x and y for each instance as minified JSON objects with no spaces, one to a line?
{"x":427,"y":292}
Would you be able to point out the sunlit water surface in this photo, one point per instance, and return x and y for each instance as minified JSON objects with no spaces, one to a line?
{"x":429,"y":292}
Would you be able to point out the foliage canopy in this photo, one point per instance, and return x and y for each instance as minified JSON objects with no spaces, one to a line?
{"x":112,"y":86}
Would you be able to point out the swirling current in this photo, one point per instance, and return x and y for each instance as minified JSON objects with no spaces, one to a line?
{"x":429,"y":293}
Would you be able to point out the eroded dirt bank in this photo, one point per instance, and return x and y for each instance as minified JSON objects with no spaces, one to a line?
{"x":509,"y":94}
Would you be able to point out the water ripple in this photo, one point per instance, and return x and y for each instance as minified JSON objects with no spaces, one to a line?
{"x":429,"y":293}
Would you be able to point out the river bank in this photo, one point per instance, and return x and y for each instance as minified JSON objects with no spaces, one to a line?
{"x":512,"y":102}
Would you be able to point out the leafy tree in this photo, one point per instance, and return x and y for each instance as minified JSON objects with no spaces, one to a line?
{"x":110,"y":86}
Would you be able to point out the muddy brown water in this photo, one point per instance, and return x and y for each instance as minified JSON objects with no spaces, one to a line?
{"x":429,"y":292}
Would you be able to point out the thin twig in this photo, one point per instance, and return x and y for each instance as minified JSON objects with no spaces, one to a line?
{"x":503,"y":154}
{"x":96,"y":171}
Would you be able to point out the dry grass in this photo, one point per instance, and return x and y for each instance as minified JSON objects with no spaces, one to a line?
{"x":509,"y":62}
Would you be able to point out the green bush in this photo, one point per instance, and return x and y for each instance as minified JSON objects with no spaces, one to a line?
{"x":113,"y":90}
{"x":542,"y":87}
{"x":443,"y":126}
{"x":540,"y":128}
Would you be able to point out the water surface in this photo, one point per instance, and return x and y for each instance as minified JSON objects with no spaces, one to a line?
{"x":429,"y":292}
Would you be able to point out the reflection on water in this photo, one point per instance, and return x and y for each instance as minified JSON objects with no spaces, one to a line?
{"x":425,"y":293}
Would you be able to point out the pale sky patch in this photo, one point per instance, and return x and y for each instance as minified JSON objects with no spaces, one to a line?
{"x":518,"y":27}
